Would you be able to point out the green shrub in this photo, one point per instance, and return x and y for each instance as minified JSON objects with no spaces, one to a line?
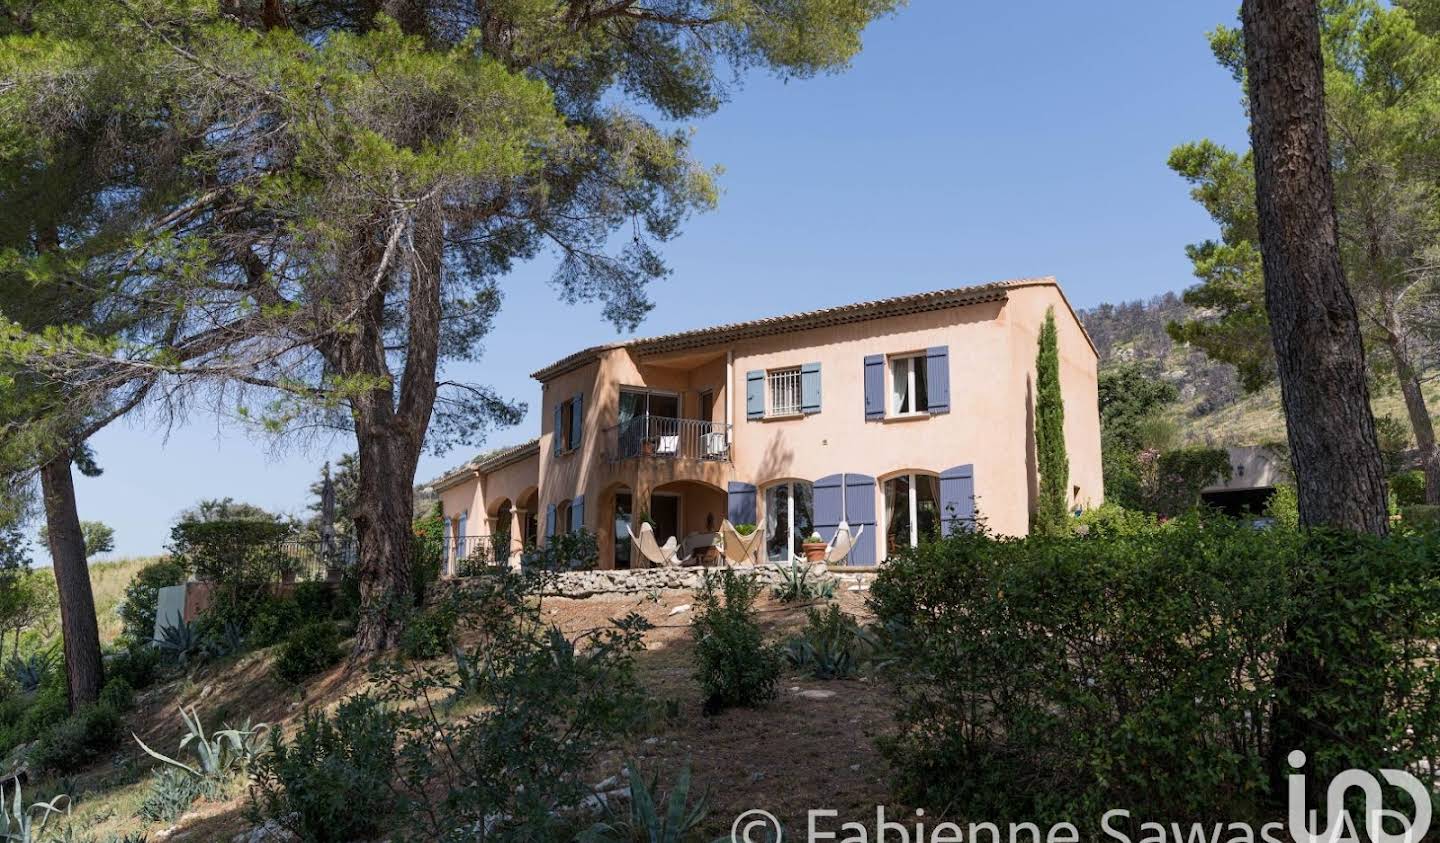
{"x":831,"y":646}
{"x":1112,"y":519}
{"x":1408,"y":488}
{"x":141,"y":666}
{"x":241,"y":557}
{"x":1038,"y":679}
{"x":1284,"y":507}
{"x":309,"y":650}
{"x":117,"y":694}
{"x":273,"y":621}
{"x":78,"y":739}
{"x":171,"y":794}
{"x":12,"y":712}
{"x":549,"y":705}
{"x":315,"y":599}
{"x":1420,"y":516}
{"x":48,"y":707}
{"x":735,"y":665}
{"x":332,"y":783}
{"x":137,"y":610}
{"x":578,"y":550}
{"x":429,"y":633}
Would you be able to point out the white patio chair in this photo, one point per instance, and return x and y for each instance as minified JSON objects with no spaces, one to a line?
{"x":658,"y":555}
{"x":668,"y":445}
{"x":739,"y":549}
{"x":841,"y":543}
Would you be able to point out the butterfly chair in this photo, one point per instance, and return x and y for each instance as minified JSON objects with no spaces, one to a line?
{"x":658,"y":555}
{"x":739,"y":549}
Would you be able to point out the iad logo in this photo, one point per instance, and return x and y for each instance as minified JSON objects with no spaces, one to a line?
{"x":1339,"y":825}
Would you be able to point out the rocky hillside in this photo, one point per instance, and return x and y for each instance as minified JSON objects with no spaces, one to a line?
{"x":1213,"y":409}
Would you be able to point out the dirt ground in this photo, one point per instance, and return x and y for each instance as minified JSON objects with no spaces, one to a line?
{"x":801,"y":751}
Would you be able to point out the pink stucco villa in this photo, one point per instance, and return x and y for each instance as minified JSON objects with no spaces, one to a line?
{"x":908,"y":415}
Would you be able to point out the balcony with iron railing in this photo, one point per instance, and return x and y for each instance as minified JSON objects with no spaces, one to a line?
{"x":658,"y":437}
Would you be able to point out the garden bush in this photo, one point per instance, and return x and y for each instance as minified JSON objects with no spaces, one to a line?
{"x":48,"y":707}
{"x":137,"y":610}
{"x":315,"y":599}
{"x":332,"y":782}
{"x":735,"y":665}
{"x":140,"y":665}
{"x":309,"y":650}
{"x":577,"y":550}
{"x":273,"y":620}
{"x":1420,"y":517}
{"x":240,"y":556}
{"x":1408,"y":488}
{"x":78,"y":740}
{"x":1112,"y":519}
{"x":1160,"y":672}
{"x":546,"y":706}
{"x":832,"y":645}
{"x":429,"y":633}
{"x":117,"y":694}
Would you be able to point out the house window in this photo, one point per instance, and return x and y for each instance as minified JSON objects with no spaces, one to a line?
{"x":707,"y":405}
{"x":783,"y":385}
{"x":567,"y":424}
{"x":562,"y":517}
{"x":908,"y":392}
{"x":789,"y":519}
{"x":912,"y":511}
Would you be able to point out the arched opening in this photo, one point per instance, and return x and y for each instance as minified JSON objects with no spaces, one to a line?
{"x":500,"y":532}
{"x":789,"y":518}
{"x":691,"y":512}
{"x":528,"y":503}
{"x":910,"y":511}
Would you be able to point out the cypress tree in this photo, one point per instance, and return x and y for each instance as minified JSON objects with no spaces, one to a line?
{"x":1051,"y":515}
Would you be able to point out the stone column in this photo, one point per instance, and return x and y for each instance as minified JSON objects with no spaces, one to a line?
{"x":517,"y":536}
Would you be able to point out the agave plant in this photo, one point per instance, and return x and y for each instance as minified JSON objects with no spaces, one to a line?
{"x":29,"y":672}
{"x":181,"y":642}
{"x":18,"y":824}
{"x":644,"y":821}
{"x":832,"y":645}
{"x":217,"y":756}
{"x":229,"y":640}
{"x":796,"y":584}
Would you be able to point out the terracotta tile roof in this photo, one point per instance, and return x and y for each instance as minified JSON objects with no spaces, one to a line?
{"x":488,"y":461}
{"x":824,"y":318}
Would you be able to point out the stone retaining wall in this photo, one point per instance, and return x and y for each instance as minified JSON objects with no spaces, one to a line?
{"x":583,"y":584}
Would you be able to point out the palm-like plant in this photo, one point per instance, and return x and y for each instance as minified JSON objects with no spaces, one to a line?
{"x":181,"y":642}
{"x":30,"y":671}
{"x":226,"y":751}
{"x":644,"y":822}
{"x":18,"y":824}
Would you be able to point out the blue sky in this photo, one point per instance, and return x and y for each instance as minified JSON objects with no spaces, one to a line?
{"x":968,"y":142}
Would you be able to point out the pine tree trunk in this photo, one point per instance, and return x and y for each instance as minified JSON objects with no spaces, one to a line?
{"x":1314,"y":325}
{"x":79,"y":630}
{"x":390,"y":434}
{"x":1418,"y":412}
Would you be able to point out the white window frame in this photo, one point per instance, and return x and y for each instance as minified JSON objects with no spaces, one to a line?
{"x":790,"y":517}
{"x":792,"y":382}
{"x":917,"y":359}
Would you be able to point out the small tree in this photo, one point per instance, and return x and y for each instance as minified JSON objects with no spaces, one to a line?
{"x":99,"y":537}
{"x":1051,"y":516}
{"x":28,"y":600}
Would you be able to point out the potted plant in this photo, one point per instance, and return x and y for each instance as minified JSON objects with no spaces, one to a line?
{"x":814,"y":548}
{"x":745,"y":529}
{"x":644,"y":518}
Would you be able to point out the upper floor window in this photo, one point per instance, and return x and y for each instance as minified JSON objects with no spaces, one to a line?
{"x":566,"y":431}
{"x":909,"y":392}
{"x":783,"y":386}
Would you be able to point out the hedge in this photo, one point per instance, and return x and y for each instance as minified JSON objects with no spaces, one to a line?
{"x":1055,"y":679}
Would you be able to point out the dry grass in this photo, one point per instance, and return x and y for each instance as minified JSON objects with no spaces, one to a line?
{"x":791,"y":755}
{"x":1258,"y":418}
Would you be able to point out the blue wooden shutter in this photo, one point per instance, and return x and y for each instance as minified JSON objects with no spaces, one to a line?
{"x":577,"y":416}
{"x":810,"y":388}
{"x":558,"y":431}
{"x":937,"y":378}
{"x":550,"y":521}
{"x":577,"y":514}
{"x":860,"y":512}
{"x":957,"y":499}
{"x":741,"y":503}
{"x":874,"y":387}
{"x":829,"y":503}
{"x":755,"y":394}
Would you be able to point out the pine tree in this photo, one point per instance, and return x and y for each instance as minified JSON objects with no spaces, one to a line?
{"x":1051,"y":517}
